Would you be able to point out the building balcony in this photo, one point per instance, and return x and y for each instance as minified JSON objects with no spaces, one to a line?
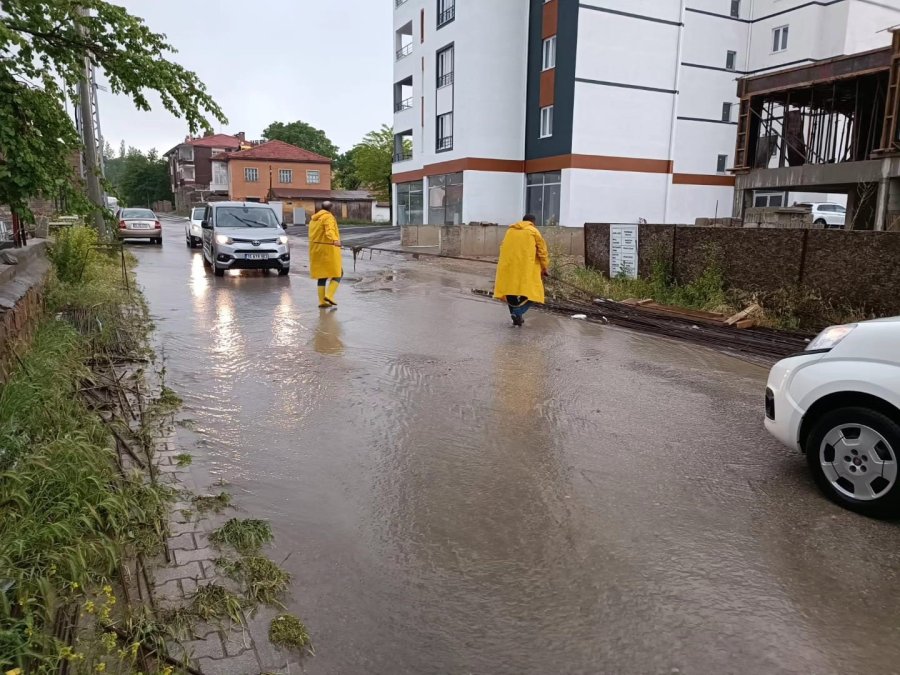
{"x":403,"y":52}
{"x":404,"y":156}
{"x":405,"y":104}
{"x":445,"y":80}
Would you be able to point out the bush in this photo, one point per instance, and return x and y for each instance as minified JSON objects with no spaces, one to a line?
{"x":72,"y":252}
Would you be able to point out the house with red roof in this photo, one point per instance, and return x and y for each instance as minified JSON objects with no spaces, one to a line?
{"x":191,"y":172}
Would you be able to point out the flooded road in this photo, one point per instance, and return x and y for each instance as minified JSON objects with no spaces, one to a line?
{"x":454,"y":496}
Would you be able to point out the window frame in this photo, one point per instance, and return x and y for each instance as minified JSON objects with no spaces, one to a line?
{"x":548,"y":63}
{"x":722,"y":164}
{"x":735,"y":9}
{"x":546,"y":122}
{"x":443,"y":142}
{"x":446,"y":12}
{"x":290,"y":175}
{"x":444,"y":79}
{"x":781,"y":38}
{"x":731,"y":60}
{"x":727,"y":111}
{"x":310,"y":173}
{"x":247,"y":174}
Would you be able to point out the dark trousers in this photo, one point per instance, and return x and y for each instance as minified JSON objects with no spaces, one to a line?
{"x":518,"y":305}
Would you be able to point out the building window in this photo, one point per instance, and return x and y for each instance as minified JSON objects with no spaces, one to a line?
{"x":186,"y":153}
{"x":780,"y":39}
{"x":251,"y":175}
{"x":187,"y":173}
{"x":769,"y":199}
{"x":313,"y":177}
{"x":549,"y":53}
{"x":445,"y":197}
{"x":445,"y":67}
{"x":444,"y":132}
{"x":410,"y":203}
{"x":542,"y":197}
{"x":446,"y":12}
{"x":736,"y":8}
{"x":285,"y":176}
{"x":547,"y":121}
{"x":722,"y":163}
{"x":726,"y":112}
{"x":730,"y":60}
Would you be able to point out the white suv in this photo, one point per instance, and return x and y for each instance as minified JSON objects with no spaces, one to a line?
{"x":829,"y":214}
{"x":839,"y":402}
{"x":244,"y":236}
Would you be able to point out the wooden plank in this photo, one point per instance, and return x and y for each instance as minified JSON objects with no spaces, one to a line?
{"x":743,"y":314}
{"x":746,"y":323}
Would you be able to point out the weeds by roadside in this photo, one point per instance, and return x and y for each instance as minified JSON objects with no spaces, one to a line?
{"x":246,"y":536}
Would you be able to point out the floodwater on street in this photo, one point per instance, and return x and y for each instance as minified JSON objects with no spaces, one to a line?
{"x":454,"y":496}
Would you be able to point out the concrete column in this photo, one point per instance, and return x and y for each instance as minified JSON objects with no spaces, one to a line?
{"x":881,"y":204}
{"x":743,"y":199}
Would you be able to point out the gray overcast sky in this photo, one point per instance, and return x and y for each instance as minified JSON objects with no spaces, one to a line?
{"x":327,"y":63}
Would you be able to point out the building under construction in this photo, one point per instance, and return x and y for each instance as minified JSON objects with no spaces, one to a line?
{"x":828,"y":127}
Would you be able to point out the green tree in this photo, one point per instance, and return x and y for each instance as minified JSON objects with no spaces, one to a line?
{"x":139,"y":179}
{"x":345,"y":176}
{"x":373,"y":158}
{"x":43,"y":44}
{"x":303,"y":136}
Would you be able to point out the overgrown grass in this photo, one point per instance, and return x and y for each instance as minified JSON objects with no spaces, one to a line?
{"x":265,"y":581}
{"x":246,"y":536}
{"x":183,"y":460}
{"x":289,"y":632}
{"x":215,"y":503}
{"x":69,"y":515}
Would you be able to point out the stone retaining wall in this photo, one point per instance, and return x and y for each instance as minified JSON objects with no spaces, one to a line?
{"x":21,"y":301}
{"x":483,"y":241}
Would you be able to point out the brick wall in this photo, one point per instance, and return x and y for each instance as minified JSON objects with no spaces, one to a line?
{"x":859,"y":268}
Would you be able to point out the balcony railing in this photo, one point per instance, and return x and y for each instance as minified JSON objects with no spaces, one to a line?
{"x":446,"y":16}
{"x":397,"y":3}
{"x":445,"y":143}
{"x":445,"y":80}
{"x":403,"y":52}
{"x":405,"y":104}
{"x":403,"y":156}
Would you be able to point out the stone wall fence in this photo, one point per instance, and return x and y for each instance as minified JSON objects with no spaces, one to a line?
{"x":860,"y":269}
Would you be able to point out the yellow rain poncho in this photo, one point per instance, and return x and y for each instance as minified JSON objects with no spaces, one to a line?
{"x":324,"y":257}
{"x":523,"y":255}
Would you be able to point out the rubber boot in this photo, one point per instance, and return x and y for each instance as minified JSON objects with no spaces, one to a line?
{"x":322,"y":300}
{"x":332,"y":291}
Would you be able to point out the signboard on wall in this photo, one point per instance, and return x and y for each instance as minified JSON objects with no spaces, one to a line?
{"x":623,"y":251}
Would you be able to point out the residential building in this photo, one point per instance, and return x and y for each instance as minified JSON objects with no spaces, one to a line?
{"x":276,"y":171}
{"x":593,"y":110}
{"x":191,"y":171}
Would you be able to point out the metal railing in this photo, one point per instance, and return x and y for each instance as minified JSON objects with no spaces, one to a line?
{"x":404,"y":51}
{"x":446,"y":16}
{"x":405,"y":104}
{"x":403,"y":156}
{"x":445,"y":143}
{"x":445,"y":80}
{"x":397,"y":3}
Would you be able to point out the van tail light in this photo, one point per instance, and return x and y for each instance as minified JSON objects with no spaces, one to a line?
{"x":157,"y":225}
{"x":122,"y":225}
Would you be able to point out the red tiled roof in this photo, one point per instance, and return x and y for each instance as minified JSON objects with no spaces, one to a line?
{"x":277,"y":151}
{"x":216,"y":141}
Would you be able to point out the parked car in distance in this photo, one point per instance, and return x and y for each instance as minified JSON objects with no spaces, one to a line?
{"x":244,"y":236}
{"x":139,"y":224}
{"x":829,"y":214}
{"x":193,"y":233}
{"x":839,"y":403}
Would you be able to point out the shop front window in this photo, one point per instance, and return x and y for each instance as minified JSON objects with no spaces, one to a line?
{"x":445,"y":197}
{"x":542,"y":197}
{"x":410,"y":203}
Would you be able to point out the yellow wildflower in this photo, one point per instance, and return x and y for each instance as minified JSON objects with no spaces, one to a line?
{"x":100,"y":667}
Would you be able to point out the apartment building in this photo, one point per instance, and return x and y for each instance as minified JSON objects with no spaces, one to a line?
{"x":593,"y":110}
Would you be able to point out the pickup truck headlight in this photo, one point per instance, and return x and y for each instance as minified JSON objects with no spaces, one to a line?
{"x":283,"y":239}
{"x":224,"y":239}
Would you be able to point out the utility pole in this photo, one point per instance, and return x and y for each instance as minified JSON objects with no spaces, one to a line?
{"x":86,"y":103}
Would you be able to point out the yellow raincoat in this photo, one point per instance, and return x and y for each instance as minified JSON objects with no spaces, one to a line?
{"x":324,"y":257}
{"x":523,"y":255}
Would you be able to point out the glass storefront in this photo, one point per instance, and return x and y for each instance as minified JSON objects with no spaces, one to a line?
{"x":542,"y":197}
{"x":410,"y":203}
{"x":445,"y":196}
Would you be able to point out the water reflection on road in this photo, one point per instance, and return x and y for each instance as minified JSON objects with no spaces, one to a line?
{"x":455,"y":496}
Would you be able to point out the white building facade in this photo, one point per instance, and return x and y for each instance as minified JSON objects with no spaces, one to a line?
{"x":593,"y":111}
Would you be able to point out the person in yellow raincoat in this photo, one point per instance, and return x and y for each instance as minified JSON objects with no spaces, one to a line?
{"x":524,"y":262}
{"x":325,"y":254}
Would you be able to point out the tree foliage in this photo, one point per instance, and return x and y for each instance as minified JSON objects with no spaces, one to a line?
{"x":302,"y":135}
{"x":138,"y":179}
{"x":373,"y":158}
{"x":42,"y":49}
{"x":345,"y":175}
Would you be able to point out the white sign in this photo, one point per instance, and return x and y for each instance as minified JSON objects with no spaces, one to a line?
{"x":623,"y":251}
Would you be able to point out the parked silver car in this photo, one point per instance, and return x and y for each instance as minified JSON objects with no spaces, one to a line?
{"x":244,"y":236}
{"x":140,"y":224}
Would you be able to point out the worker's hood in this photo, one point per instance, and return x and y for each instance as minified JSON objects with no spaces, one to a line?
{"x":522,"y":225}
